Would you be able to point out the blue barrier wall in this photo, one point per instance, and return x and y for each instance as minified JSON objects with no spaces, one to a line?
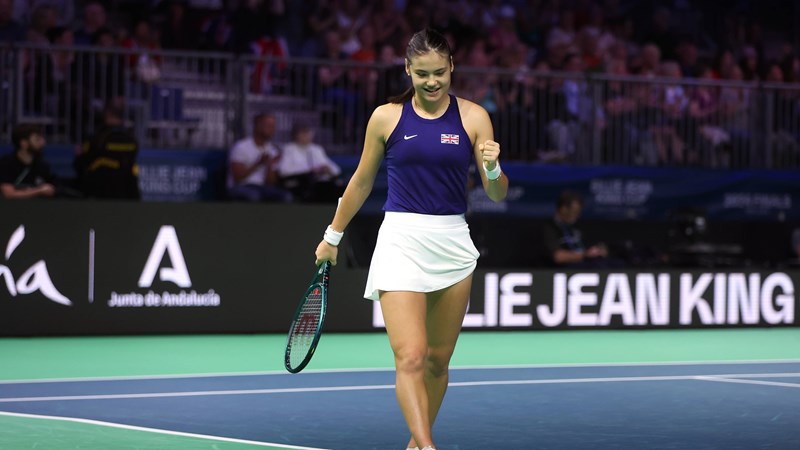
{"x":611,"y":193}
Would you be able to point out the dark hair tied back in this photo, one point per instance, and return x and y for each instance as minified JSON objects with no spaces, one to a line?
{"x":425,"y":41}
{"x":422,"y":42}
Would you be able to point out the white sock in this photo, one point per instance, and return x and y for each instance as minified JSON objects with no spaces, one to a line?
{"x":415,"y":448}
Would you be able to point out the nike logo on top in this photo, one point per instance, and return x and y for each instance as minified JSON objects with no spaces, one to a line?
{"x":409,"y":137}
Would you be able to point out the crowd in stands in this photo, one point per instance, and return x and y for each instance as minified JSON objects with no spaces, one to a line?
{"x":496,"y":33}
{"x":697,"y":35}
{"x":749,"y":41}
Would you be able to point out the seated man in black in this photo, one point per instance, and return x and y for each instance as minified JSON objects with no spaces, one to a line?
{"x":107,"y":167}
{"x":24,"y":173}
{"x":562,"y":241}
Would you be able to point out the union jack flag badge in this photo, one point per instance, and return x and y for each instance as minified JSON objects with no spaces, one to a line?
{"x":450,"y":139}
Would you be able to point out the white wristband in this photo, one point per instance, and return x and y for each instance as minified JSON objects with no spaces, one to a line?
{"x":494,"y":173}
{"x":332,"y":236}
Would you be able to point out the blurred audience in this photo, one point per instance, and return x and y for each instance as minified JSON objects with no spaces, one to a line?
{"x":677,"y":122}
{"x":597,"y":30}
{"x":252,"y":165}
{"x":104,"y":74}
{"x":389,"y":24}
{"x":10,"y":29}
{"x":306,"y":170}
{"x":145,"y":41}
{"x":24,"y":173}
{"x":107,"y":165}
{"x":52,"y":77}
{"x":63,"y":10}
{"x":562,"y":240}
{"x":43,"y":17}
{"x":95,"y":18}
{"x":266,"y":72}
{"x":177,"y":31}
{"x":337,"y":87}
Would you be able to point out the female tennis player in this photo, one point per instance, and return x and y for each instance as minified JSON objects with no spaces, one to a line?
{"x":421,"y":270}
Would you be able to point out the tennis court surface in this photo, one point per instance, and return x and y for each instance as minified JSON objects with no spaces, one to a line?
{"x":678,"y":389}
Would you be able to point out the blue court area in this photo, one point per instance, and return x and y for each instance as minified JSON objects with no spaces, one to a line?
{"x":748,"y":405}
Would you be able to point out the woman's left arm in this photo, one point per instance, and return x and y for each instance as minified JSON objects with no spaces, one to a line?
{"x":487,"y":151}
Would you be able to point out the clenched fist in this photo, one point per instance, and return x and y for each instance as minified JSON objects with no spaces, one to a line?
{"x":491,"y":152}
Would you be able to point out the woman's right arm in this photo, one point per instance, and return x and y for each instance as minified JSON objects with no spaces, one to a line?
{"x":360,"y":185}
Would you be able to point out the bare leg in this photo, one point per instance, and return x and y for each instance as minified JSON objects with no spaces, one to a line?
{"x":404,"y":314}
{"x":445,"y":314}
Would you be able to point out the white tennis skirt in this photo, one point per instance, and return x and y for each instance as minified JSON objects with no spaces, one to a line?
{"x":420,"y":253}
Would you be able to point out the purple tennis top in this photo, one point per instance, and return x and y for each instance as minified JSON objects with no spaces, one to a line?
{"x":427,"y":162}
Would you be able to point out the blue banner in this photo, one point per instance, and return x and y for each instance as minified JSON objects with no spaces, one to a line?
{"x":164,"y":175}
{"x":620,"y":193}
{"x":652,"y":193}
{"x":182,"y":175}
{"x":610,"y":192}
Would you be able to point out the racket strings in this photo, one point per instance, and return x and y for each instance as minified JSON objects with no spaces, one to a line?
{"x":305,"y":328}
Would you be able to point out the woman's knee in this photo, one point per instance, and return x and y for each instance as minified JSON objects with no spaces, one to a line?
{"x":438,"y":360}
{"x":410,"y":359}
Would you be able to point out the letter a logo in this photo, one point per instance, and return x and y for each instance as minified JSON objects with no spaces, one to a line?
{"x":166,"y":242}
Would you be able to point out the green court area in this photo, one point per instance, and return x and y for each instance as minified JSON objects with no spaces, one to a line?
{"x":59,"y":358}
{"x":47,"y":357}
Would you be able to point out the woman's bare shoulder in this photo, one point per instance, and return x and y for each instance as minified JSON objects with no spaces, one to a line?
{"x":386,"y":117}
{"x":388,"y":111}
{"x":470,"y":109}
{"x":473,"y":116}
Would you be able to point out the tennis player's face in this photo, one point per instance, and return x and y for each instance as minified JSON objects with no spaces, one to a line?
{"x":430,"y":75}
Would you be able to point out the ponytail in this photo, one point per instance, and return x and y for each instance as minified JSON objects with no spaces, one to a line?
{"x":402,"y":98}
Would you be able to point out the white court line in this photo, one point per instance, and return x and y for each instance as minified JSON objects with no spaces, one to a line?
{"x":196,"y":393}
{"x":391,"y":369}
{"x":155,"y":430}
{"x":378,"y":387}
{"x":764,"y":383}
{"x":621,"y":379}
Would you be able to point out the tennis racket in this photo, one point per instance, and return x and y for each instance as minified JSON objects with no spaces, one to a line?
{"x":307,"y":324}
